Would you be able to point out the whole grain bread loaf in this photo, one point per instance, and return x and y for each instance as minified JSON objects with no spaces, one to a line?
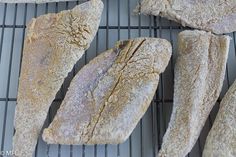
{"x":54,"y":43}
{"x":199,"y":74}
{"x":107,"y":97}
{"x":221,"y":140}
{"x":210,"y":15}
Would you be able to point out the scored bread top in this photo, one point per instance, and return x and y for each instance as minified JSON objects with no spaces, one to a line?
{"x":110,"y":94}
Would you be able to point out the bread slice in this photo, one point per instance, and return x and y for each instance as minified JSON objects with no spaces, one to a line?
{"x":108,"y":96}
{"x":221,"y":141}
{"x":199,"y":74}
{"x":211,"y":15}
{"x":54,"y":43}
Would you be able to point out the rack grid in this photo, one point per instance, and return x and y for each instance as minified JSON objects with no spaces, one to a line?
{"x":118,"y":22}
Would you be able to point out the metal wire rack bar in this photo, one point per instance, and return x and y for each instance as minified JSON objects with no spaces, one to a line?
{"x":8,"y":80}
{"x":161,"y":106}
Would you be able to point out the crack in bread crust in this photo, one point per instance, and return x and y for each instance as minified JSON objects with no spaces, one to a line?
{"x":98,"y":117}
{"x":126,"y":60}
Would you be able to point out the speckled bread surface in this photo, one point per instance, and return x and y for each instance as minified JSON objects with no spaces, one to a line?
{"x":210,"y":15}
{"x":199,"y":74}
{"x":54,"y":43}
{"x":221,"y":140}
{"x":109,"y":95}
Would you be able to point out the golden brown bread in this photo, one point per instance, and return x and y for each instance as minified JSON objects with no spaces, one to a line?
{"x":108,"y":96}
{"x":199,"y":74}
{"x":221,"y":140}
{"x":210,"y":15}
{"x":54,"y":43}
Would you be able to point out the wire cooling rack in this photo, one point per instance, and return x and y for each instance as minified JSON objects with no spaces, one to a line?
{"x":118,"y":22}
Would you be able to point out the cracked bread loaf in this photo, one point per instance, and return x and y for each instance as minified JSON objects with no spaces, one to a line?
{"x":221,"y":140}
{"x":210,"y":15}
{"x":107,"y":97}
{"x":199,"y":74}
{"x":54,"y":43}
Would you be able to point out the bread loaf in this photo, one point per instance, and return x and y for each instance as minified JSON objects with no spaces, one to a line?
{"x":210,"y":15}
{"x":107,"y":97}
{"x":221,"y":140}
{"x":54,"y":43}
{"x":199,"y":74}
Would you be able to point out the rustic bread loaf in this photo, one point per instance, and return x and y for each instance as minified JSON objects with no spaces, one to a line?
{"x":199,"y":74}
{"x":109,"y":95}
{"x":221,"y":141}
{"x":211,"y":15}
